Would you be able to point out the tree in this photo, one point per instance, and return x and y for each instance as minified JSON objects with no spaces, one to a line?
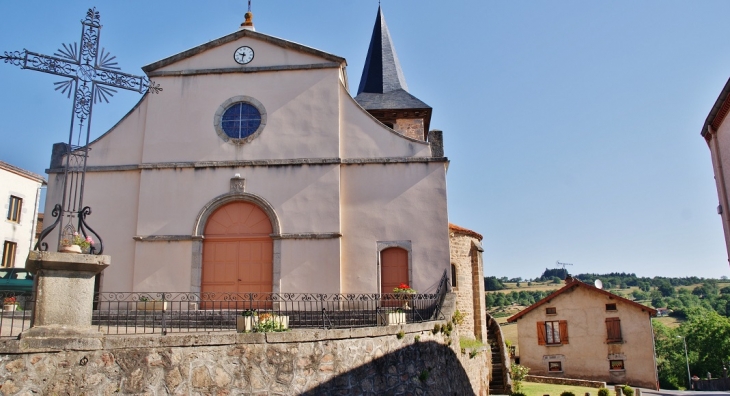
{"x":491,"y":283}
{"x":666,"y":288}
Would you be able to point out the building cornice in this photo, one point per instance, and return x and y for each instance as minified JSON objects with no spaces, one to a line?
{"x":258,"y":163}
{"x":249,"y":69}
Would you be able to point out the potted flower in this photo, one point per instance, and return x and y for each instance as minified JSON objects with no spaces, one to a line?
{"x":246,"y":321}
{"x":404,"y":292}
{"x":10,"y":304}
{"x":145,"y":304}
{"x":271,"y":322}
{"x":392,"y":317}
{"x":76,"y":243}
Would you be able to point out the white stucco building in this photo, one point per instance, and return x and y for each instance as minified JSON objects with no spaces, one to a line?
{"x":256,"y":170}
{"x":20,"y":194}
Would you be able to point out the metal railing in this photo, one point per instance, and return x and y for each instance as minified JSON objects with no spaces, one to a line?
{"x":167,"y":312}
{"x":16,"y":314}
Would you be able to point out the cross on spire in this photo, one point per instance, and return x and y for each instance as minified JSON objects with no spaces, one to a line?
{"x":91,"y":75}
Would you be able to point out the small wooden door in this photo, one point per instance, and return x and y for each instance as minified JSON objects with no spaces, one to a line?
{"x":238,"y":252}
{"x":393,"y":271}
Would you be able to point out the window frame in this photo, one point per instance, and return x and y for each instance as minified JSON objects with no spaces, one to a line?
{"x":10,"y":249}
{"x":558,"y":364}
{"x":613,"y":330}
{"x":611,"y":368}
{"x":551,"y":311}
{"x":552,"y":331}
{"x":611,"y":307}
{"x":15,"y":206}
{"x":229,"y":103}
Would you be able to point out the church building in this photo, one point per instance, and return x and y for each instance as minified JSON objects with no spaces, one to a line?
{"x":255,"y":170}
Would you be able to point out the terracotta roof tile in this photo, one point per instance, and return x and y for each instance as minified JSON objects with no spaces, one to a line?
{"x":466,"y":231}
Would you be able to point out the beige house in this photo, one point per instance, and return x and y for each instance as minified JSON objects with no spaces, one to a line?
{"x":716,"y":131}
{"x":584,"y":332}
{"x":256,"y":170}
{"x":20,"y":194}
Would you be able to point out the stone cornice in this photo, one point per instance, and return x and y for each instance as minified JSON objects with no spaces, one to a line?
{"x":258,"y":163}
{"x":249,"y":69}
{"x":181,"y":238}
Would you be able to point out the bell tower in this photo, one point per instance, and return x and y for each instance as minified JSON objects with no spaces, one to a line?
{"x":383,"y":91}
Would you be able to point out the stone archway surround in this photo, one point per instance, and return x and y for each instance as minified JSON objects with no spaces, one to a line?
{"x":235,"y":195}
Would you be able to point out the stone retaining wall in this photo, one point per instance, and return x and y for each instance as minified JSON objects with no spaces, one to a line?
{"x":357,"y":361}
{"x":565,"y":381}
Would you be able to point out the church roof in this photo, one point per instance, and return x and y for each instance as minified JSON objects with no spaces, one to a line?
{"x":461,"y":230}
{"x":383,"y":85}
{"x":719,"y":111}
{"x":235,"y":36}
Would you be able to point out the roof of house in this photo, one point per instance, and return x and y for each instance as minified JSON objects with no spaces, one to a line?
{"x":466,"y":231}
{"x":22,"y":172}
{"x":235,"y":36}
{"x":569,"y":285}
{"x":718,"y":112}
{"x":383,"y":84}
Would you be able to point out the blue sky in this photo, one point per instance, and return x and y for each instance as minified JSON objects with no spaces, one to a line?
{"x":572,"y":127}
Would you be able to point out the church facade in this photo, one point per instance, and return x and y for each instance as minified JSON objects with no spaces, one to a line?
{"x":256,"y":170}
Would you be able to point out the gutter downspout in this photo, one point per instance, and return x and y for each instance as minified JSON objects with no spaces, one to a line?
{"x":723,"y":188}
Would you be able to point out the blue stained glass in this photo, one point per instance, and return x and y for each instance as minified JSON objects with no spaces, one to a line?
{"x":240,"y":120}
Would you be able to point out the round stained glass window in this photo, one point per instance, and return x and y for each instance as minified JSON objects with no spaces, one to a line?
{"x":241,"y":120}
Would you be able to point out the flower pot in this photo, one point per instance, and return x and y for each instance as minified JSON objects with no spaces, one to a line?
{"x":392,"y":318}
{"x":70,"y":249}
{"x":10,"y":307}
{"x":245,"y":324}
{"x":152,"y":306}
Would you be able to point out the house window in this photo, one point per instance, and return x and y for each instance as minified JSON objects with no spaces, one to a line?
{"x":551,"y":311}
{"x":613,"y":329}
{"x":453,"y":275}
{"x":552,"y":333}
{"x":617,"y":365}
{"x":610,"y":307}
{"x":9,"y":254}
{"x":555,"y":366}
{"x":14,"y":209}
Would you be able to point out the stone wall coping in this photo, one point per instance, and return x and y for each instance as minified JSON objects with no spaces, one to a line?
{"x":565,"y":381}
{"x":66,"y":261}
{"x":123,"y":341}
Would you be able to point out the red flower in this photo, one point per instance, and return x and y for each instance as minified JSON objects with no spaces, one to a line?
{"x":403,"y":286}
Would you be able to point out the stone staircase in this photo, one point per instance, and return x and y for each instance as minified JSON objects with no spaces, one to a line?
{"x":499,"y":382}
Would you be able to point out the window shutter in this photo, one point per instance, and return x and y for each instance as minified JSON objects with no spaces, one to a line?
{"x":613,"y":330}
{"x":540,"y":333}
{"x":563,"y":331}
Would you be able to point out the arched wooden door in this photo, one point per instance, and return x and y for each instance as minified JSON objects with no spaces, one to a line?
{"x":393,"y":271}
{"x":238,"y":250}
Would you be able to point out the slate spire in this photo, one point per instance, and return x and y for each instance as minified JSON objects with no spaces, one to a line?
{"x":382,"y":72}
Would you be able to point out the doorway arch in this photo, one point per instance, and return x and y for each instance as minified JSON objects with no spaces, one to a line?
{"x":238,"y":250}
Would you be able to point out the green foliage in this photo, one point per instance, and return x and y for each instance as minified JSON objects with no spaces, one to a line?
{"x":604,"y":392}
{"x":556,"y":280}
{"x":424,"y":375}
{"x":708,"y":345}
{"x":458,"y":317}
{"x":519,"y":373}
{"x":470,"y":343}
{"x":417,"y":338}
{"x":628,"y":391}
{"x":569,"y":393}
{"x":270,"y":323}
{"x":491,"y":283}
{"x":449,"y":326}
{"x":436,"y":328}
{"x":400,"y":334}
{"x":552,"y":273}
{"x":473,"y":353}
{"x":522,"y":297}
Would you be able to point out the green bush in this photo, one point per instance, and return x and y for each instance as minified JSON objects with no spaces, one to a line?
{"x":603,"y":392}
{"x":567,"y":393}
{"x":519,"y":373}
{"x":628,"y":391}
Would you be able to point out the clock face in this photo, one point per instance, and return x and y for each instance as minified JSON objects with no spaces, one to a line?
{"x":243,"y":55}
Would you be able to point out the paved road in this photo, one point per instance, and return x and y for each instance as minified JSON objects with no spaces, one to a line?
{"x":663,"y":392}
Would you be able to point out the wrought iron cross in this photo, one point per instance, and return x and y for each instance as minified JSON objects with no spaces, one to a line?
{"x":91,"y":76}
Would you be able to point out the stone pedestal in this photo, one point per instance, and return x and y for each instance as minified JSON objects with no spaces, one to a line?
{"x":64,"y":300}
